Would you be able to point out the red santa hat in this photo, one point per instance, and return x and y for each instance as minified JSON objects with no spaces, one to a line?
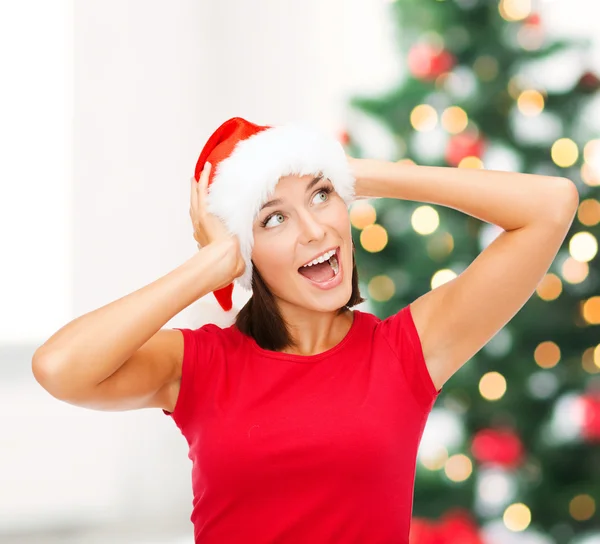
{"x":247,"y":162}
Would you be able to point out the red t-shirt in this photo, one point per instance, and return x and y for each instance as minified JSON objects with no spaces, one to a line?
{"x":297,"y":449}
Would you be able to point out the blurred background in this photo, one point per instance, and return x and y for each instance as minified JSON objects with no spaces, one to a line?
{"x":106,"y":105}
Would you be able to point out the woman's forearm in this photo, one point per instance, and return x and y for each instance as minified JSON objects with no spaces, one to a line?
{"x":507,"y":199}
{"x":102,"y":340}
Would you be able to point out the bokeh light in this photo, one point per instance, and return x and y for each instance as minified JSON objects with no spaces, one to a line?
{"x":565,"y":152}
{"x":583,"y":246}
{"x":374,"y":238}
{"x":458,"y":467}
{"x":381,"y":288}
{"x":425,"y":220}
{"x":492,"y":386}
{"x":547,"y":354}
{"x":454,"y":119}
{"x":362,"y":214}
{"x":530,"y":103}
{"x":517,"y":517}
{"x":424,"y":118}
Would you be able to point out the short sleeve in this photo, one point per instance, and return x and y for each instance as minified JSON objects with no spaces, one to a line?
{"x":401,"y":333}
{"x":198,"y":348}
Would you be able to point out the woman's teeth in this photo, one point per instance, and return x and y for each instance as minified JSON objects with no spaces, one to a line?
{"x":331,"y":257}
{"x":322,"y":258}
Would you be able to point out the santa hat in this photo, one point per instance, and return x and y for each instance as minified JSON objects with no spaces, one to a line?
{"x":247,"y":162}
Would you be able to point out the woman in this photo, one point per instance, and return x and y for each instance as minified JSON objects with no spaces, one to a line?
{"x":304,"y":417}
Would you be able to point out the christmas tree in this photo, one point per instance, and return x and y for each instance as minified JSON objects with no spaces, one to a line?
{"x":511,"y":452}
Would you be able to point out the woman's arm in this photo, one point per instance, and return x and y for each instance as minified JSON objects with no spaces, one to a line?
{"x":95,"y":345}
{"x":507,"y":199}
{"x":456,"y":319}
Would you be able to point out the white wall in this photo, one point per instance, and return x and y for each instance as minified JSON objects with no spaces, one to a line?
{"x":145,"y":84}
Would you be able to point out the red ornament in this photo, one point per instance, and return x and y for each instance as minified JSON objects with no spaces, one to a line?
{"x":465,"y":144}
{"x":533,"y":20}
{"x":498,"y":446}
{"x":428,"y":62}
{"x":455,"y":527}
{"x":588,"y":82}
{"x":590,"y":428}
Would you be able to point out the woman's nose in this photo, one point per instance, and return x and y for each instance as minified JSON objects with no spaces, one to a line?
{"x":310,"y":228}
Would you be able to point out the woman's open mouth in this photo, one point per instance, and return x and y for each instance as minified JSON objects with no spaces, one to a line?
{"x":326,"y":274}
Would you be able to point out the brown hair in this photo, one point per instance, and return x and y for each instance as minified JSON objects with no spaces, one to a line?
{"x":260,"y":317}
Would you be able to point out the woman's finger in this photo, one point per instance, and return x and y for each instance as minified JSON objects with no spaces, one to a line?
{"x":193,"y":194}
{"x":203,"y":185}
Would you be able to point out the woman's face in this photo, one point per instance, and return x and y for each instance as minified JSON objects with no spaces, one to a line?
{"x":308,"y":219}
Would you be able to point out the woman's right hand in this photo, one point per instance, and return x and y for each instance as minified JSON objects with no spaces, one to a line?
{"x":209,"y":229}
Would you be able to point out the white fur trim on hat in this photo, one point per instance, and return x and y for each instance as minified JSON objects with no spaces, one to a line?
{"x":245,"y":180}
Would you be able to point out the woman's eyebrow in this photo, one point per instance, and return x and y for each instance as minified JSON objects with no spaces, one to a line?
{"x":279,"y":201}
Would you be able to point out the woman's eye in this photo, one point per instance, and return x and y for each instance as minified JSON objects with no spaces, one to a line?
{"x":324,"y":192}
{"x":266,"y":223}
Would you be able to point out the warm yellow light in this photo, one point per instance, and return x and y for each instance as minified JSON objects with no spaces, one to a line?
{"x":471,"y":162}
{"x":589,"y":362}
{"x":588,"y":212}
{"x":583,"y":246}
{"x":455,"y":119}
{"x":435,"y":459}
{"x":590,"y":175}
{"x":530,"y":103}
{"x":547,"y":354}
{"x":590,"y":310}
{"x":381,"y":288}
{"x":549,"y":288}
{"x":517,"y":517}
{"x":362,"y":214}
{"x":492,"y":386}
{"x":374,"y":238}
{"x":424,"y":118}
{"x":582,"y":507}
{"x":458,"y":467}
{"x":425,"y":220}
{"x":565,"y":152}
{"x":441,"y":277}
{"x":574,"y":271}
{"x":514,"y":10}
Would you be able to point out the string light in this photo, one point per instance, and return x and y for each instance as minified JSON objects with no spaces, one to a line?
{"x":530,"y":103}
{"x":549,"y":288}
{"x":425,"y":220}
{"x":517,"y":517}
{"x":373,"y":238}
{"x":441,"y":277}
{"x":588,"y":212}
{"x":547,"y":354}
{"x":565,"y":152}
{"x":458,"y":467}
{"x":492,"y":386}
{"x":590,"y":310}
{"x":471,"y":162}
{"x":582,"y":507}
{"x":574,"y":271}
{"x":454,"y":119}
{"x":362,"y":214}
{"x":514,"y":10}
{"x":423,"y":118}
{"x":583,"y":246}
